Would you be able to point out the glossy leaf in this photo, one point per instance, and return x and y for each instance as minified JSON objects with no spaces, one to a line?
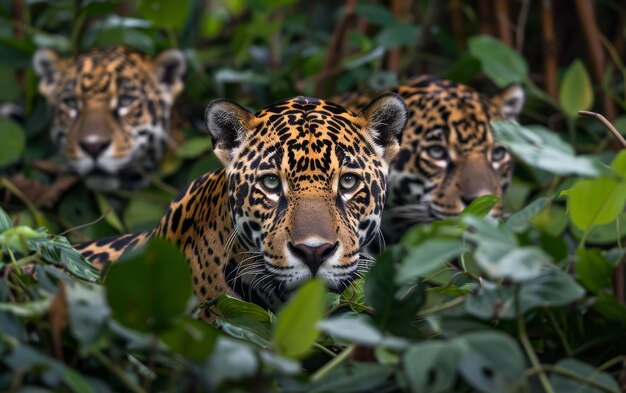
{"x":296,"y":328}
{"x":500,"y":63}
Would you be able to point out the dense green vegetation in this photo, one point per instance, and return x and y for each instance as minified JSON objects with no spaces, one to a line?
{"x":533,"y":303}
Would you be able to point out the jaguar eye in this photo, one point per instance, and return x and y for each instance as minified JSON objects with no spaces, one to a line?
{"x":498,"y":153}
{"x":436,"y":152}
{"x":348,"y":182}
{"x":70,"y":102}
{"x":125,"y":101}
{"x":270,"y":183}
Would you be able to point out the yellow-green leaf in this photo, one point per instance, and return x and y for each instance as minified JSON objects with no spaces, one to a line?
{"x":576,"y":92}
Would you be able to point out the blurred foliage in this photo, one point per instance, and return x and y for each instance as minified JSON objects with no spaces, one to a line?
{"x":530,"y":305}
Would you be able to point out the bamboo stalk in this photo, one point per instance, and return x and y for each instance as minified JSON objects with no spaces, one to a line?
{"x":550,"y":62}
{"x":587,"y":15}
{"x":503,"y":24}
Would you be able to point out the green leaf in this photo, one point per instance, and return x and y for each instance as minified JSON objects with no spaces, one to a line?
{"x":352,"y":329}
{"x":563,"y":384}
{"x":13,"y":142}
{"x":110,"y":215}
{"x":492,"y":362}
{"x":500,"y":63}
{"x":353,"y":378}
{"x":191,"y":338}
{"x":427,"y":257}
{"x":481,"y":206}
{"x":5,"y":221}
{"x":296,"y":328}
{"x":592,"y":270}
{"x":165,"y":13}
{"x":88,"y":311}
{"x":519,"y":221}
{"x":519,"y":264}
{"x":543,"y":149}
{"x":149,"y":288}
{"x":375,"y":13}
{"x":398,"y":34}
{"x":611,"y":308}
{"x":394,"y":305}
{"x":142,"y":214}
{"x":245,"y":315}
{"x":431,"y":366}
{"x":595,"y":202}
{"x":194,"y":148}
{"x":575,"y":92}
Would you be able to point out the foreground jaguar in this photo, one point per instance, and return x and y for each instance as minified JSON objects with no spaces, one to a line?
{"x":448,"y":155}
{"x":301,"y":194}
{"x":110,"y":111}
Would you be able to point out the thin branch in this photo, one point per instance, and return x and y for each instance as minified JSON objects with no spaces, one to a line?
{"x":571,"y":375}
{"x":587,"y":15}
{"x":607,"y":124}
{"x":335,"y":362}
{"x":520,"y":29}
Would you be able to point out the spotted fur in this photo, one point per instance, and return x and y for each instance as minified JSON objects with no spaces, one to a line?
{"x":110,"y":111}
{"x":301,"y":194}
{"x":448,"y":154}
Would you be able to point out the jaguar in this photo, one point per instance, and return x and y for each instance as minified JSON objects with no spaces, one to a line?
{"x":448,"y":155}
{"x":111,"y":111}
{"x":300,"y":195}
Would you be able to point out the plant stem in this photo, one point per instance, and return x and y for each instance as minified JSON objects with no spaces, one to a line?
{"x":611,"y":362}
{"x":559,"y":332}
{"x":325,"y":350}
{"x":569,"y":374}
{"x":442,"y":307}
{"x":530,"y":352}
{"x":119,"y":373}
{"x":328,"y":367}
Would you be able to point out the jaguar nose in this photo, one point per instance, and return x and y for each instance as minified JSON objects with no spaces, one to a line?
{"x":313,"y":256}
{"x":94,"y":147}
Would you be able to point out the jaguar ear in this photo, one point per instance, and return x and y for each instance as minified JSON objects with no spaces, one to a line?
{"x":46,"y":63}
{"x":227,"y":122}
{"x":169,"y":69}
{"x":510,"y":101}
{"x":386,"y":117}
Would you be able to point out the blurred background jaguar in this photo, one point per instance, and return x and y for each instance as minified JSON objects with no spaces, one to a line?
{"x":111,"y":111}
{"x":448,"y":155}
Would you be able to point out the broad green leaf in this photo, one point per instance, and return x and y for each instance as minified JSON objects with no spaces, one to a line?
{"x":552,"y":220}
{"x":143,"y":214}
{"x":426,"y":258}
{"x":194,"y":147}
{"x":431,"y":366}
{"x":481,"y":206}
{"x":13,"y":142}
{"x":191,"y":338}
{"x":353,"y":329}
{"x":88,"y":312}
{"x":149,"y":288}
{"x":492,"y":362}
{"x":375,"y":13}
{"x":230,"y":360}
{"x":611,"y":308}
{"x":543,"y":149}
{"x":575,"y":92}
{"x":595,"y":202}
{"x":398,"y":34}
{"x":165,"y":13}
{"x":245,"y":315}
{"x":394,"y":305}
{"x":552,"y":288}
{"x":5,"y":221}
{"x":592,"y":270}
{"x":563,"y":384}
{"x":619,"y":163}
{"x":296,"y":328}
{"x":353,"y":378}
{"x":500,"y":63}
{"x":519,"y":221}
{"x":519,"y":264}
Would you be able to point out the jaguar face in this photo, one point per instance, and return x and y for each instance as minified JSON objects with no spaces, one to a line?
{"x":110,"y":111}
{"x":306,"y":184}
